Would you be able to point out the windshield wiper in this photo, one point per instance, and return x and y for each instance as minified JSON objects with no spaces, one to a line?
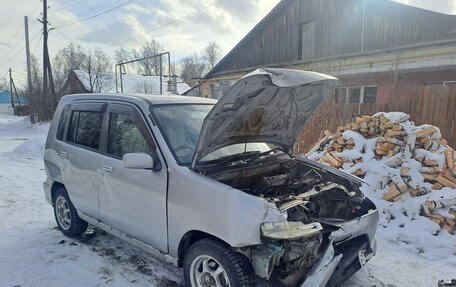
{"x":265,"y":153}
{"x":230,"y":158}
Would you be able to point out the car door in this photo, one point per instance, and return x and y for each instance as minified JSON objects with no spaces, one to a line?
{"x":82,"y":157}
{"x":132,"y":201}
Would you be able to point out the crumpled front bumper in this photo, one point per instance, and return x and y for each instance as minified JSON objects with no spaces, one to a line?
{"x":350,"y":247}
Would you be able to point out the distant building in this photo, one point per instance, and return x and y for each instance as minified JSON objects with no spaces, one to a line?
{"x":78,"y":82}
{"x":379,"y":49}
{"x":5,"y":102}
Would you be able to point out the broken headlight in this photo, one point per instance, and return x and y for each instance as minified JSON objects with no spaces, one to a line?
{"x":289,"y":230}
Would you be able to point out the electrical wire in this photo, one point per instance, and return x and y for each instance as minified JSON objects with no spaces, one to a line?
{"x":96,"y":15}
{"x":67,"y":6}
{"x":38,"y":43}
{"x":11,"y":48}
{"x":17,"y":53}
{"x":14,"y":36}
{"x":88,"y":12}
{"x":62,"y":34}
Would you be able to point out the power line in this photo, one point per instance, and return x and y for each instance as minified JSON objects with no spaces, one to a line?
{"x":14,"y":36}
{"x":12,"y":57}
{"x":96,"y":15}
{"x":17,"y":33}
{"x":38,"y":43}
{"x":88,"y":12}
{"x":165,"y":25}
{"x":61,"y":33}
{"x":67,"y":6}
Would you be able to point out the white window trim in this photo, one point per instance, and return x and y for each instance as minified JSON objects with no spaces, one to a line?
{"x":361,"y":95}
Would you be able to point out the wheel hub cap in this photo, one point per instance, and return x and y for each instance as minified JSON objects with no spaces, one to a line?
{"x":62,"y":212}
{"x":205,"y":271}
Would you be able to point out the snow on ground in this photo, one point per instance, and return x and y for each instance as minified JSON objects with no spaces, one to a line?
{"x":33,"y":252}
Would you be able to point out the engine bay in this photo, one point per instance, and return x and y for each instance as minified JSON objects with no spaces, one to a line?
{"x":307,"y":195}
{"x":304,"y":192}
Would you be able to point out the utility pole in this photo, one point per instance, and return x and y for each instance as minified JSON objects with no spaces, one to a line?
{"x":11,"y":90}
{"x":27,"y":53}
{"x":45,"y":60}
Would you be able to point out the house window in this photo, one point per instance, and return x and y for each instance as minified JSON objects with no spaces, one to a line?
{"x":370,"y":95}
{"x":340,"y":96}
{"x":356,"y":95}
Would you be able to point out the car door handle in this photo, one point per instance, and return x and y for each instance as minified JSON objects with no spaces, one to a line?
{"x":106,"y":168}
{"x":63,"y":154}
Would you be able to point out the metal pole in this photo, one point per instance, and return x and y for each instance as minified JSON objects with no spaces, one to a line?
{"x":11,"y":91}
{"x":115,"y":76}
{"x":121,"y":83}
{"x":161,"y":75}
{"x":45,"y":39}
{"x":169,"y":72}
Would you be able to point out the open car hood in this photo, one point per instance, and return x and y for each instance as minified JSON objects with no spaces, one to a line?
{"x":267,"y":105}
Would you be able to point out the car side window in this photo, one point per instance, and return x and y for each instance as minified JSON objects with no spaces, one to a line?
{"x":85,"y":128}
{"x":62,"y":122}
{"x":125,"y":133}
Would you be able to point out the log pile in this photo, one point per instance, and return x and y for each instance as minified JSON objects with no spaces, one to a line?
{"x":446,"y":221}
{"x":421,"y":159}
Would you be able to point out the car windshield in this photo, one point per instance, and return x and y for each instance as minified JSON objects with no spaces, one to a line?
{"x":181,"y":125}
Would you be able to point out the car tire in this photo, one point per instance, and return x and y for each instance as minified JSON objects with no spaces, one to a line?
{"x":66,"y":215}
{"x":204,"y":260}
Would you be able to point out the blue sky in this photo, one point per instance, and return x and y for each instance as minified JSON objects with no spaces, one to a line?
{"x":181,"y":26}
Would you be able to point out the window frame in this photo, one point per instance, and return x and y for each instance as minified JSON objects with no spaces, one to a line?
{"x":66,"y":109}
{"x":122,"y":108}
{"x":95,"y":107}
{"x":104,"y":107}
{"x":361,"y":95}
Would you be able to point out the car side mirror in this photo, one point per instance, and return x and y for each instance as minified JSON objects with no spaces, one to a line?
{"x":138,"y":161}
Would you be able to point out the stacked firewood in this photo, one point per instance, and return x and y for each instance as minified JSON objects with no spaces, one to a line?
{"x":399,"y":145}
{"x":446,"y":221}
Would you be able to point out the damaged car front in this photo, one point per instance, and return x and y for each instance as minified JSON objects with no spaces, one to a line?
{"x":327,"y":230}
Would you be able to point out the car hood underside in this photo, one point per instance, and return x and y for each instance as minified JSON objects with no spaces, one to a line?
{"x":267,"y":105}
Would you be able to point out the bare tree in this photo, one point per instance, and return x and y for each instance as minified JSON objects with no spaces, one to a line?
{"x":98,"y":68}
{"x":122,"y":55}
{"x":41,"y":109}
{"x":4,"y":84}
{"x":144,"y":87}
{"x":70,"y":58}
{"x":151,"y":66}
{"x":211,"y":54}
{"x":192,"y":68}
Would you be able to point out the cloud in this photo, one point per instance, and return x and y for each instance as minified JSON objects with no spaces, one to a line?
{"x":123,"y":28}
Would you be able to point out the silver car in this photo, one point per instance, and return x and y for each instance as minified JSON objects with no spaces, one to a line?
{"x":212,"y":186}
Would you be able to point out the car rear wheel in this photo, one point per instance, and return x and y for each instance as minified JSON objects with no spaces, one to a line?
{"x":66,"y":215}
{"x":210,"y":263}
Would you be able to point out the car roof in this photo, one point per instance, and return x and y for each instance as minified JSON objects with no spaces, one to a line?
{"x":152,"y":99}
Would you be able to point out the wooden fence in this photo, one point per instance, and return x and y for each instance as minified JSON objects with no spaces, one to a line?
{"x":429,"y":104}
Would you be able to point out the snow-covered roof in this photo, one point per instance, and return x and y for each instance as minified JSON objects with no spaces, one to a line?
{"x":133,"y":83}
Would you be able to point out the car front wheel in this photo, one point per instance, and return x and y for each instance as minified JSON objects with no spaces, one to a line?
{"x":66,"y":215}
{"x":210,"y":263}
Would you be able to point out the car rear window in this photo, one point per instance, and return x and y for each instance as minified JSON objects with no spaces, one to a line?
{"x":85,"y":128}
{"x":62,"y":122}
